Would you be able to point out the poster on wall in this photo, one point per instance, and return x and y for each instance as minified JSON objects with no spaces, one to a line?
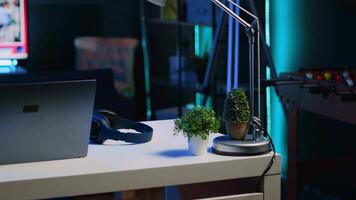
{"x":13,"y":29}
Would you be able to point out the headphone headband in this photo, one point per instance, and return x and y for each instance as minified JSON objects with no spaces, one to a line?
{"x":106,"y":125}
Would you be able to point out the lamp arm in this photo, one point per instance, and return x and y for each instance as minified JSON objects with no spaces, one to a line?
{"x":255,"y":24}
{"x":251,"y":29}
{"x":232,"y":14}
{"x":243,"y":9}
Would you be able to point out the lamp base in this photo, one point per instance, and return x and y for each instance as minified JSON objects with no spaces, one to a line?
{"x":224,"y":145}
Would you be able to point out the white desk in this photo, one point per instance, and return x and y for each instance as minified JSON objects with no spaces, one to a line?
{"x":117,"y":167}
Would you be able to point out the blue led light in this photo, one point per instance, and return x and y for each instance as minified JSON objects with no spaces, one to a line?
{"x":237,"y":41}
{"x":5,"y":70}
{"x":230,"y":53}
{"x":8,"y":66}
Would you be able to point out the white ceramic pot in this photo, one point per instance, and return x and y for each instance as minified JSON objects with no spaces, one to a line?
{"x":198,"y":146}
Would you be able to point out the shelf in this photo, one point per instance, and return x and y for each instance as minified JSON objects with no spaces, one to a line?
{"x":175,"y":23}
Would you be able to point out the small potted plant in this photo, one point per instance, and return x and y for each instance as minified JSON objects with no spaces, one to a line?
{"x":237,"y":114}
{"x":197,"y":125}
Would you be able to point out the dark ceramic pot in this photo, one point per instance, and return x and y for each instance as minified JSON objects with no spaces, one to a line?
{"x":237,"y":131}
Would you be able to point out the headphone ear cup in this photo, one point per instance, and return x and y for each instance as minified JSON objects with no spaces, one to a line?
{"x":109,"y":116}
{"x":95,"y":130}
{"x":98,"y":125}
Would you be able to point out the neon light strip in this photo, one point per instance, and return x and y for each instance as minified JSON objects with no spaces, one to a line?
{"x":268,"y":101}
{"x":268,"y":25}
{"x":7,"y":66}
{"x":146,"y":63}
{"x":147,"y":81}
{"x":198,"y":96}
{"x":229,"y":56}
{"x":237,"y":41}
{"x":197,"y":40}
{"x":268,"y":69}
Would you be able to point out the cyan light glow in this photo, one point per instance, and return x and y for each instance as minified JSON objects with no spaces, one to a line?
{"x":268,"y":102}
{"x":7,"y":66}
{"x":147,"y":85}
{"x":268,"y":69}
{"x":282,"y":35}
{"x":199,"y":99}
{"x":203,"y":38}
{"x":197,"y":40}
{"x":206,"y":40}
{"x":146,"y":63}
{"x":5,"y":70}
{"x":268,"y":24}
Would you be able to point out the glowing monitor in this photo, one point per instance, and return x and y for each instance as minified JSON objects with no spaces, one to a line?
{"x":13,"y":29}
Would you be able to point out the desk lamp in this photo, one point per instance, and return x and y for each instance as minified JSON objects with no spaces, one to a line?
{"x":258,"y":143}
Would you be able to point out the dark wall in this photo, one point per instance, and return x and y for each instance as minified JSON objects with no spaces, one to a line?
{"x":328,"y":32}
{"x":327,"y":40}
{"x":314,"y":34}
{"x":53,"y":25}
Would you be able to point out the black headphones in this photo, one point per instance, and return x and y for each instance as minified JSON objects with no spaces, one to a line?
{"x":106,"y":124}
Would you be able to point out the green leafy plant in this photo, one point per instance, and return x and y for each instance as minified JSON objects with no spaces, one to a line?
{"x":197,"y":122}
{"x":236,"y":107}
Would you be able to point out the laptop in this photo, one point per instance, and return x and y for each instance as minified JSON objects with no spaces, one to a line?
{"x":45,"y":121}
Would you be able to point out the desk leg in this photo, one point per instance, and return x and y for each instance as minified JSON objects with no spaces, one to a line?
{"x":272,"y":187}
{"x":292,"y":153}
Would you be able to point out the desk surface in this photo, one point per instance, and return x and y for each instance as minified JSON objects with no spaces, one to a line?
{"x":116,"y":166}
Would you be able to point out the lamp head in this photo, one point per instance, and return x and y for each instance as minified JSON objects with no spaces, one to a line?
{"x":158,"y":2}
